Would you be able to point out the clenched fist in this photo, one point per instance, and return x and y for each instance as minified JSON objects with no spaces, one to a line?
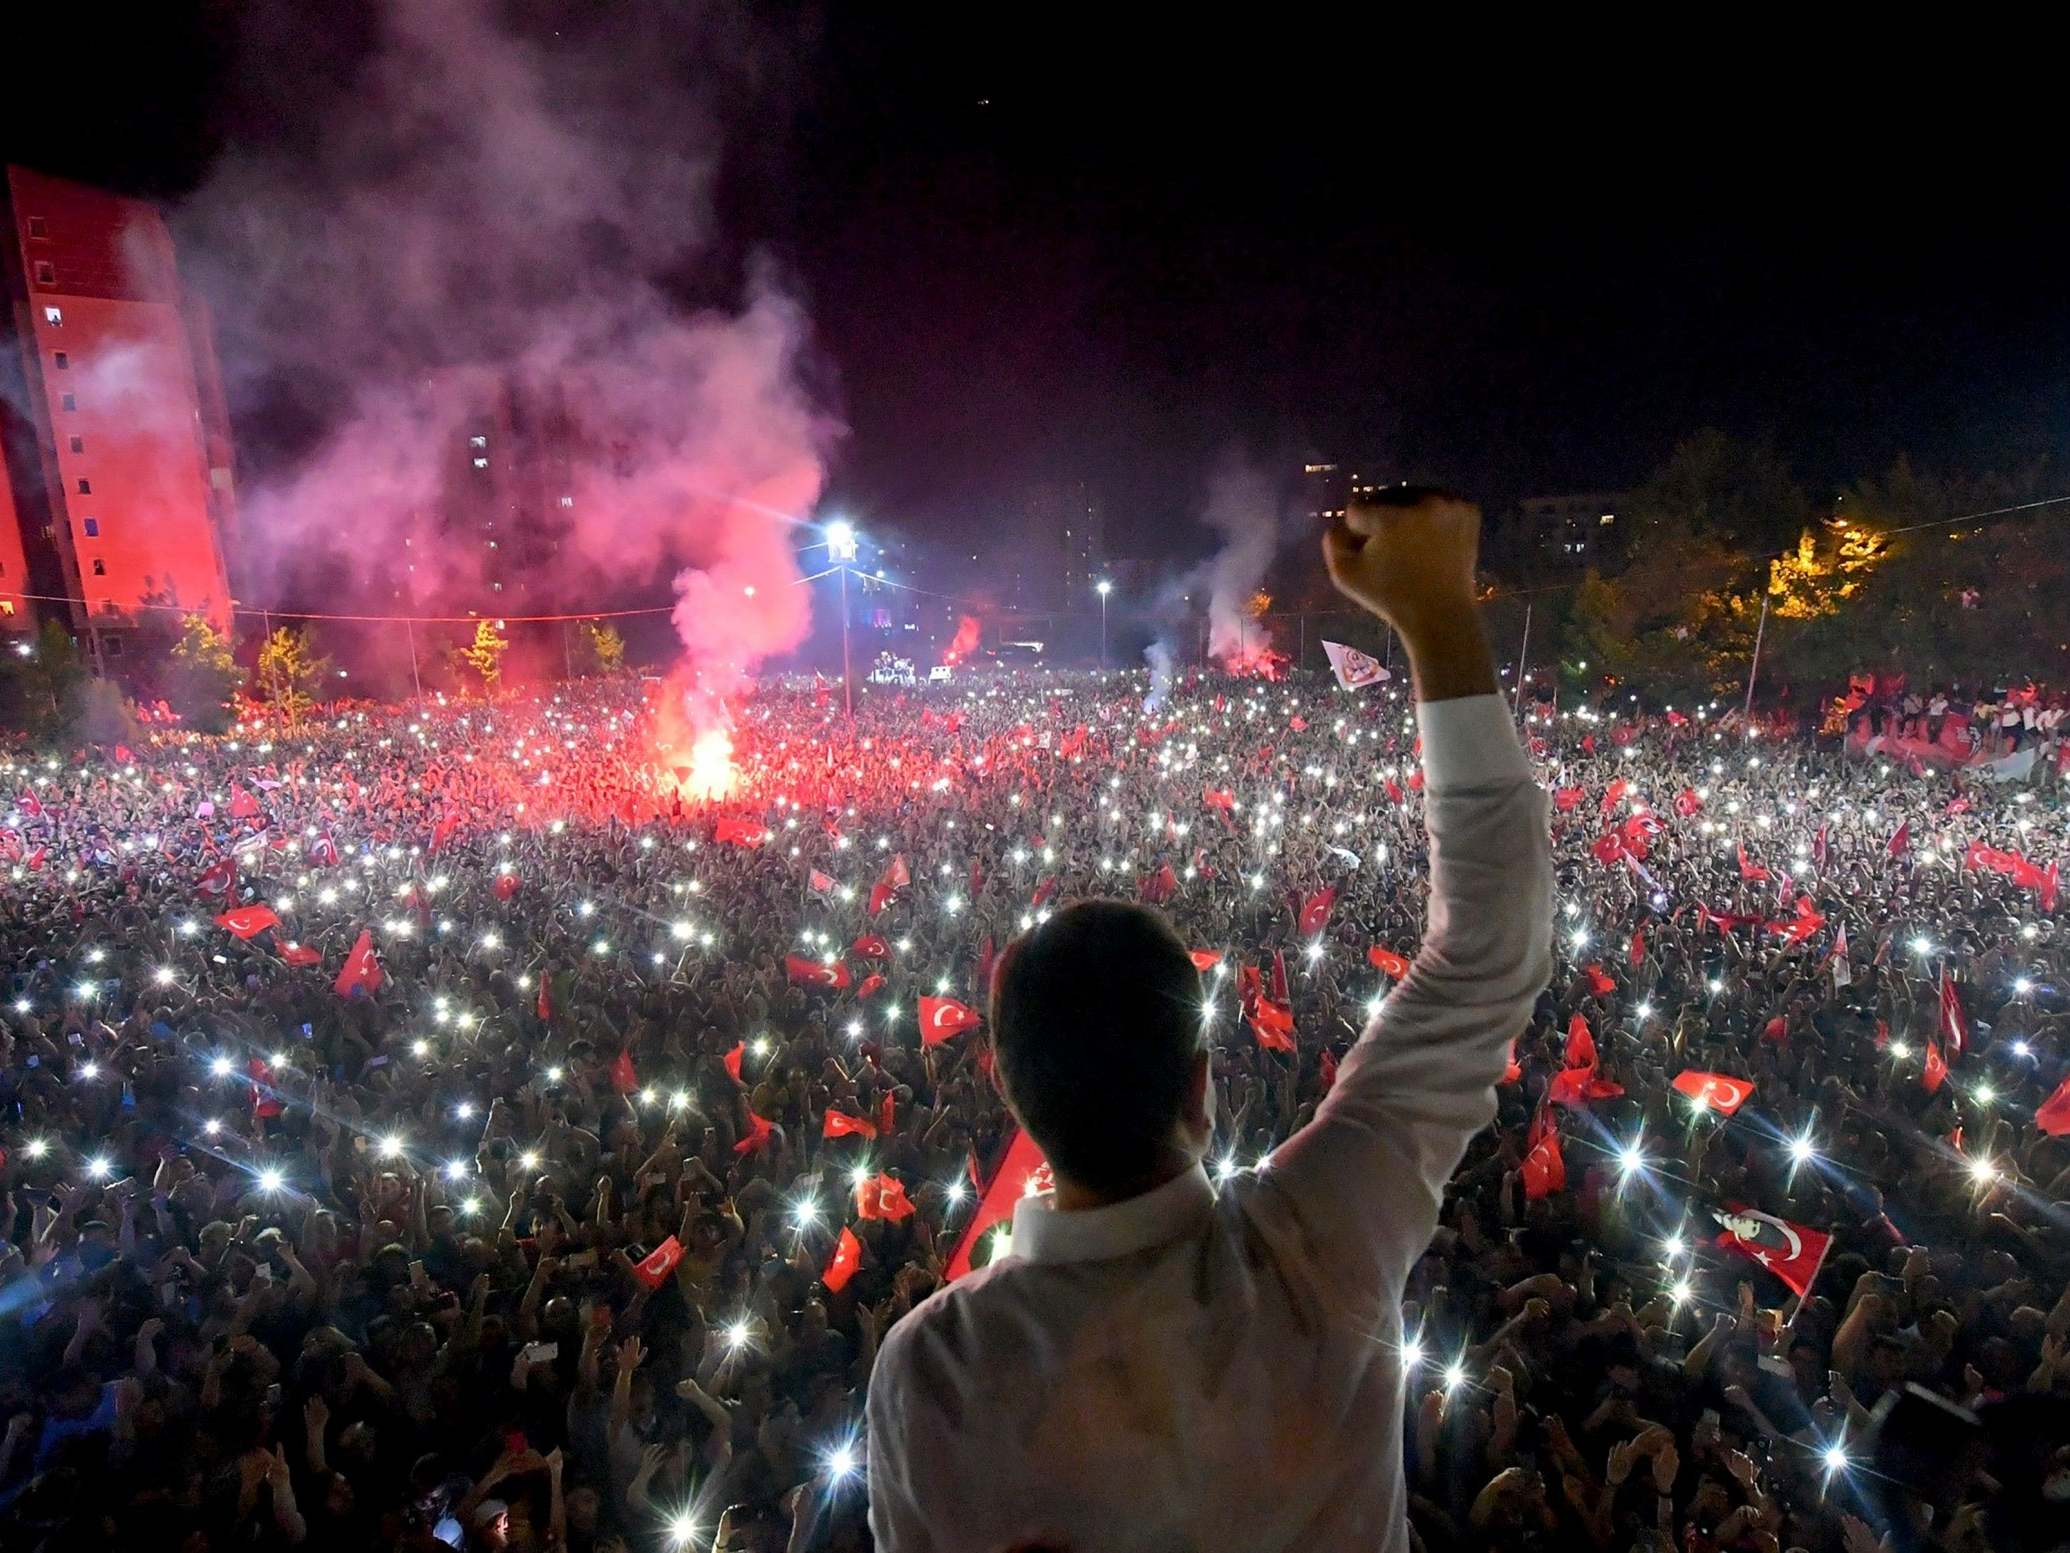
{"x":1408,"y":555}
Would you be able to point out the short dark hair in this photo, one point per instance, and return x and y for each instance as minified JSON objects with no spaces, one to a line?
{"x":1096,"y":1026}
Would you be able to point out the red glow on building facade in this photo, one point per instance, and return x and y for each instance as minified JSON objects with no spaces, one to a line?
{"x":117,"y":445}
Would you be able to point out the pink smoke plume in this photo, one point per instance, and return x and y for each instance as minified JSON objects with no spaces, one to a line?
{"x":475,"y":222}
{"x":964,"y":642}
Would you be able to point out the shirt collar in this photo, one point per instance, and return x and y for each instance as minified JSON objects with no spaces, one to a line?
{"x":1164,"y":1213}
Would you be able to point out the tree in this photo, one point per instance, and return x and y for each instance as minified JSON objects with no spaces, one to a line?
{"x":1717,"y":487}
{"x":289,"y":670}
{"x":201,"y":675}
{"x":485,"y":654}
{"x":42,"y":674}
{"x":606,"y":647}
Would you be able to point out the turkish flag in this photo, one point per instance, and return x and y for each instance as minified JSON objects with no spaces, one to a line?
{"x":869,"y":985}
{"x":871,"y":947}
{"x":819,"y":883}
{"x":1545,"y":1167}
{"x":1273,"y":1024}
{"x":1818,"y":848}
{"x":2053,"y":1116}
{"x":944,"y":1018}
{"x":1635,"y":956}
{"x":265,"y":1101}
{"x":1279,"y":978}
{"x":1750,"y":870}
{"x":1387,"y":962}
{"x":505,"y":887}
{"x":1936,"y":1072}
{"x":1204,"y":959}
{"x":733,"y":1059}
{"x":1900,"y":840}
{"x":1315,"y":911}
{"x":443,"y":830}
{"x":243,"y":805}
{"x":219,"y":878}
{"x":760,"y":1129}
{"x":1044,"y":891}
{"x":1687,"y":804}
{"x":1160,"y":886}
{"x":845,"y":1262}
{"x":652,"y":1270}
{"x":887,"y":1115}
{"x":625,"y":1078}
{"x":1599,"y":982}
{"x":30,"y":804}
{"x":736,"y":830}
{"x":1566,"y":798}
{"x":839,"y":1124}
{"x":811,"y":973}
{"x":1218,"y":798}
{"x":883,"y":1197}
{"x":1581,"y":1044}
{"x":1608,"y":848}
{"x":361,"y":969}
{"x":299,"y":954}
{"x":1394,"y":790}
{"x":543,"y":1004}
{"x":1713,"y":1091}
{"x":323,"y":850}
{"x":1793,"y":1252}
{"x":1612,"y":795}
{"x":896,"y":873}
{"x":248,"y":921}
{"x":1022,"y":1173}
{"x":1327,"y":1063}
{"x":1954,"y":1023}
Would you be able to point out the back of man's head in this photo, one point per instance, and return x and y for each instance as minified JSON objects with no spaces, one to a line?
{"x":1096,"y":1024}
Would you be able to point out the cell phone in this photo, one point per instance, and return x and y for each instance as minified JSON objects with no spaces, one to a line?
{"x":540,"y":1353}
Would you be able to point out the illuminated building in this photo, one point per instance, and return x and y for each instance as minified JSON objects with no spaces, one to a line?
{"x":116,"y":436}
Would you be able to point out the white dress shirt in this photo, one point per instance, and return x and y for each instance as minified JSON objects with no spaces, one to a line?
{"x":1197,"y":1368}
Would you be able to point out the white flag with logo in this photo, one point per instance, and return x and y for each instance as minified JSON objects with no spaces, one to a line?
{"x":1354,"y":668}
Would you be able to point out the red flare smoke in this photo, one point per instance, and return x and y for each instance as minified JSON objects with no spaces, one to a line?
{"x":964,"y":642}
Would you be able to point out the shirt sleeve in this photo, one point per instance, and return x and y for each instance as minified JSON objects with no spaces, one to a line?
{"x":896,"y":1524}
{"x":1365,"y":1179}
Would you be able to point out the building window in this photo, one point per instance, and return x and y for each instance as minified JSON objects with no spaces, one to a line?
{"x":54,"y":316}
{"x":93,"y":527}
{"x":111,"y":646}
{"x":37,"y":227}
{"x":85,"y":487}
{"x":100,"y":567}
{"x":481,"y":463}
{"x":78,"y":444}
{"x":46,"y":273}
{"x":477,"y":442}
{"x":70,"y":401}
{"x":567,"y":501}
{"x":63,"y":360}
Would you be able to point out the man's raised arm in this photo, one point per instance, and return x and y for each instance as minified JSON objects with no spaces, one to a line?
{"x":1366,"y":1177}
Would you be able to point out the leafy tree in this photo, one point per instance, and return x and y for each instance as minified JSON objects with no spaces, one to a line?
{"x":605,"y":646}
{"x":484,"y":655}
{"x":289,"y":670}
{"x":1715,"y":486}
{"x":41,"y":675}
{"x":201,"y":675}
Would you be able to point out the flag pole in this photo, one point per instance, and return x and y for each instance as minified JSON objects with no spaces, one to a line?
{"x":1754,"y":668}
{"x":1516,"y":704}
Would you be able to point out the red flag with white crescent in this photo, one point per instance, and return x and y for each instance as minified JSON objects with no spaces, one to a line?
{"x":1022,"y":1173}
{"x":941,"y":1019}
{"x":1793,"y":1252}
{"x":1713,"y":1091}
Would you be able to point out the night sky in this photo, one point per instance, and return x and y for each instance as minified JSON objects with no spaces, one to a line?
{"x":1052,"y":246}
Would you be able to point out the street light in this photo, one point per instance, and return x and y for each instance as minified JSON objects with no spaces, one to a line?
{"x":841,"y":549}
{"x":1103,"y":587}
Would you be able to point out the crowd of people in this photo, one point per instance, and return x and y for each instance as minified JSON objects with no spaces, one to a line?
{"x":546,"y":1173}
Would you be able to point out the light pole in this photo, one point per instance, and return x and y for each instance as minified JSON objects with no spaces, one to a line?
{"x":1103,"y":587}
{"x":841,"y":549}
